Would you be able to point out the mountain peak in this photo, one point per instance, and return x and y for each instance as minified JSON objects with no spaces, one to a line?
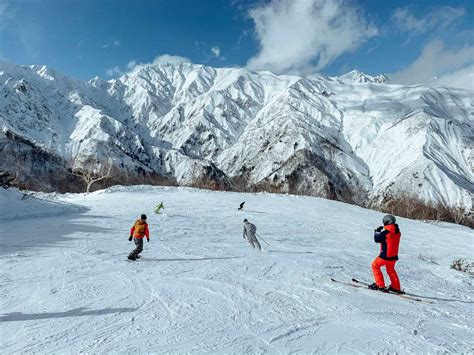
{"x":193,"y":124}
{"x":357,"y":76}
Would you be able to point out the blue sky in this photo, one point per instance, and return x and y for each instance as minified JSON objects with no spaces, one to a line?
{"x":108,"y":37}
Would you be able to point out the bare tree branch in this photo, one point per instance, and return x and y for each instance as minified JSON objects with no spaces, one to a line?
{"x":91,"y":170}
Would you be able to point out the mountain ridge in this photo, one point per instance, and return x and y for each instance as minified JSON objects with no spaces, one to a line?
{"x":356,"y":138}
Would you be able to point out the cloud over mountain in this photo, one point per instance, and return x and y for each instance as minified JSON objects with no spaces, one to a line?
{"x":303,"y":36}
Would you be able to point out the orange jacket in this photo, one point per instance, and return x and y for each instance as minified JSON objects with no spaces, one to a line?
{"x":140,"y":229}
{"x":389,"y":240}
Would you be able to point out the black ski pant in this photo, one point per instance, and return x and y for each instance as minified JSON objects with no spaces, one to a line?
{"x":138,"y":249}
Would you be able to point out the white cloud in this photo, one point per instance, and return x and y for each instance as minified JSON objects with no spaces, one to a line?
{"x":306,"y":35}
{"x":134,"y":65}
{"x":436,"y":63}
{"x":216,"y":51}
{"x":463,"y":78}
{"x":114,"y":71}
{"x":439,"y":18}
{"x":114,"y":44}
{"x":452,"y":66}
{"x":171,"y":59}
{"x":131,"y":64}
{"x":207,"y":52}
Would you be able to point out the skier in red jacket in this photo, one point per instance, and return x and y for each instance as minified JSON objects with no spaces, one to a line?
{"x":137,"y":232}
{"x":389,"y":238}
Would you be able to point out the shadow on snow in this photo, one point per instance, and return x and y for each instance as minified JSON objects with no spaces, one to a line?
{"x":290,"y":252}
{"x":45,"y":231}
{"x":78,"y":312}
{"x":190,"y":259}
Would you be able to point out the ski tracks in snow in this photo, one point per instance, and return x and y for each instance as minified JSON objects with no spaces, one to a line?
{"x":199,"y":286}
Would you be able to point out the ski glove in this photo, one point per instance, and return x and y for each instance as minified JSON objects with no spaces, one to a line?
{"x":379,"y":229}
{"x":130,"y":238}
{"x":147,"y":239}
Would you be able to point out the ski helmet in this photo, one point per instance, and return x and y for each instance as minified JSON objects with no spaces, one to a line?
{"x":143,"y":216}
{"x":389,"y":219}
{"x":246,"y":220}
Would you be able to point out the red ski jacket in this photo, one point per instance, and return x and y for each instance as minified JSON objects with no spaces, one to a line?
{"x":389,"y":240}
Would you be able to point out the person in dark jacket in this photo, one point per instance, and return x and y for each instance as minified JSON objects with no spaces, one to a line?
{"x":137,"y":233}
{"x":388,"y":237}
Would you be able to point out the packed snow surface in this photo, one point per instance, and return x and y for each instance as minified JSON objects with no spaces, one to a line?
{"x":67,"y":287}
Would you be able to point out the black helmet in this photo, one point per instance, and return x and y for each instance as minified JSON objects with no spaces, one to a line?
{"x":389,"y":219}
{"x":245,"y":220}
{"x":143,"y":216}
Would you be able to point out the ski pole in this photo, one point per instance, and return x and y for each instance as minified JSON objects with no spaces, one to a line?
{"x":262,"y":238}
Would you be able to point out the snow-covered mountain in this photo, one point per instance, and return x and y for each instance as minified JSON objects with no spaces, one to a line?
{"x":356,"y":76}
{"x":352,"y":138}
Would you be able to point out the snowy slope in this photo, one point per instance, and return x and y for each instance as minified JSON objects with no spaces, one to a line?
{"x":353,"y":138}
{"x":66,"y":285}
{"x":15,"y":205}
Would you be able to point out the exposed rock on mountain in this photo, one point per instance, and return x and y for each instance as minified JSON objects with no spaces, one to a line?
{"x":355,"y":138}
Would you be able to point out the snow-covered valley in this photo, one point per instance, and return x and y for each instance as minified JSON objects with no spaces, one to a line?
{"x":66,"y":286}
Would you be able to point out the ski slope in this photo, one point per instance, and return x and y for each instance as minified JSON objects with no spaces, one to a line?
{"x":66,"y":286}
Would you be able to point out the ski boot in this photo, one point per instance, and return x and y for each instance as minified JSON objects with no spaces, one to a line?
{"x":394,"y":290}
{"x":375,"y":287}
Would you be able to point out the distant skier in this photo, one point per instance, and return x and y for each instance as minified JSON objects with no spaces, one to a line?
{"x":159,"y":207}
{"x":389,"y":238}
{"x":241,"y":206}
{"x":137,"y":232}
{"x":249,"y":233}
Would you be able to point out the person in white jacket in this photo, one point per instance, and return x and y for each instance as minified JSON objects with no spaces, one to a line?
{"x":249,"y":233}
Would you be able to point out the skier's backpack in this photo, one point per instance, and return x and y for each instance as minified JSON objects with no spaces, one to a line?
{"x":140,"y":227}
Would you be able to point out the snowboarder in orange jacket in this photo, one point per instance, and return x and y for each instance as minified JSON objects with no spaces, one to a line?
{"x":137,"y":232}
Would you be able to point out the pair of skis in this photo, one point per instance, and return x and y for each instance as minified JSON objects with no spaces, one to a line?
{"x":360,"y":284}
